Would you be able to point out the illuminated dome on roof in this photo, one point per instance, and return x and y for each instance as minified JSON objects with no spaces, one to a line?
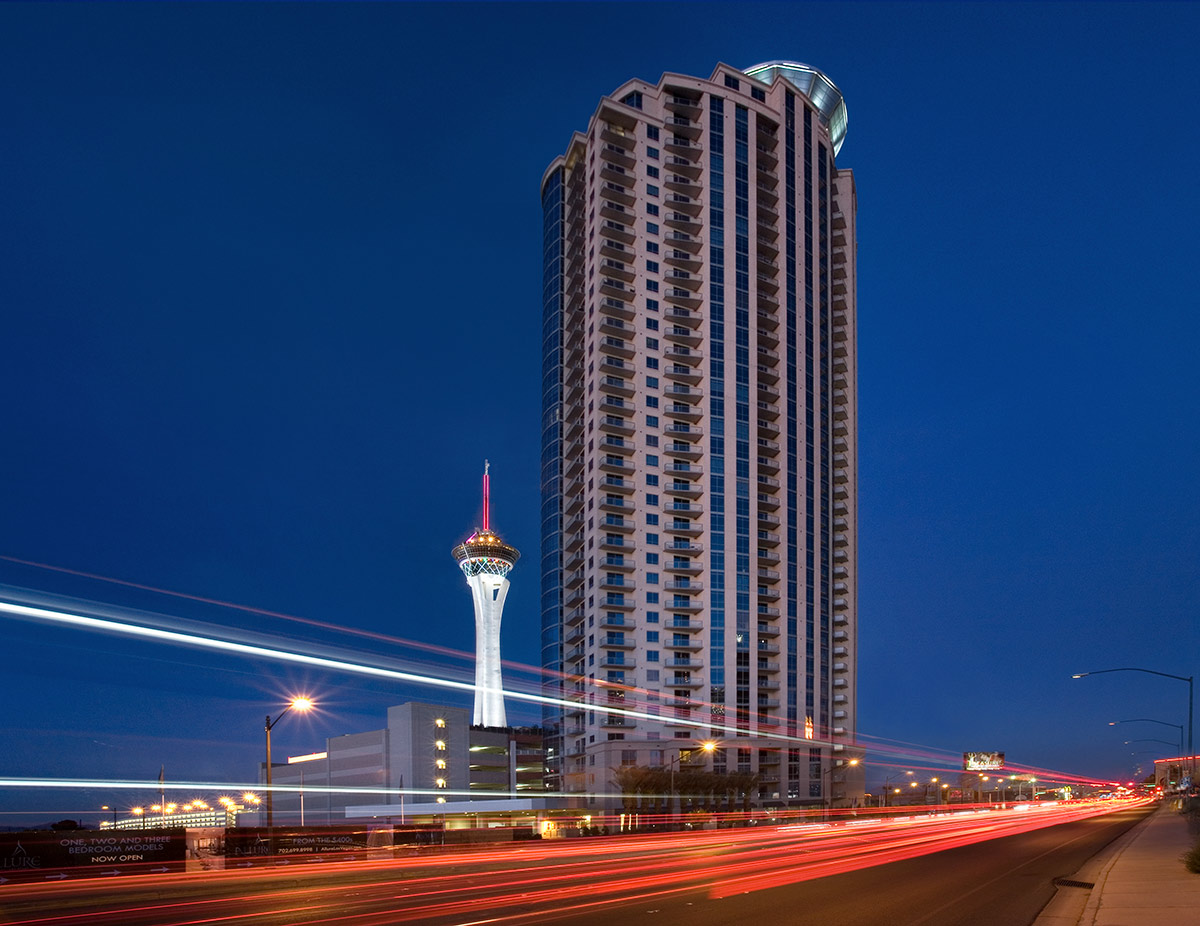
{"x":822,"y":91}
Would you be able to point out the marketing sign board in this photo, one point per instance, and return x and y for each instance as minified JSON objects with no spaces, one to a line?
{"x":257,"y":845}
{"x":983,"y":761}
{"x":54,"y":856}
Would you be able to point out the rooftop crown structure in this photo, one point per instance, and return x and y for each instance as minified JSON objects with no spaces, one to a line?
{"x":485,"y":560}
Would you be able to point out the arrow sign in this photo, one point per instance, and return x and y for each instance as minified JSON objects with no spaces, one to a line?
{"x":57,"y":877}
{"x":113,"y":872}
{"x":157,"y":870}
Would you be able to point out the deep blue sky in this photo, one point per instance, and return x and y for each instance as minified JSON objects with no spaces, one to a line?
{"x":270,"y":288}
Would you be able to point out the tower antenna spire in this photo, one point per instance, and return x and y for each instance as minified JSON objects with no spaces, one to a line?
{"x":486,"y":499}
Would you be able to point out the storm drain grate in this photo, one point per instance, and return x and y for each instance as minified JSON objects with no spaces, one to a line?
{"x":1067,"y":882}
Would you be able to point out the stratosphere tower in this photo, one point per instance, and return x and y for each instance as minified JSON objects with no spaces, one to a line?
{"x":485,"y":560}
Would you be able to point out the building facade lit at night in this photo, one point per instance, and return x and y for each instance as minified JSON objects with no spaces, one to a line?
{"x":486,"y":560}
{"x":699,"y":452}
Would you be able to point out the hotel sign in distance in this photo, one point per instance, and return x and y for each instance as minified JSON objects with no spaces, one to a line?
{"x":983,"y":761}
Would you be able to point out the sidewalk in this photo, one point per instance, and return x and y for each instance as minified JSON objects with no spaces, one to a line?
{"x":1139,"y":880}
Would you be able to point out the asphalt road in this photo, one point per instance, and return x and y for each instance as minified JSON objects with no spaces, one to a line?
{"x":671,"y":881}
{"x":1001,"y":882}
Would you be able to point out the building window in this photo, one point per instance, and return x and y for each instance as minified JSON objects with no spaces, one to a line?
{"x":652,"y":675}
{"x":652,"y":520}
{"x":652,"y":540}
{"x":652,"y":286}
{"x":731,"y":81}
{"x":651,"y":420}
{"x":652,"y":227}
{"x":633,"y":99}
{"x":651,"y":171}
{"x":651,"y":189}
{"x":651,"y":636}
{"x":651,"y":597}
{"x":651,"y":655}
{"x":759,"y":94}
{"x":651,"y":578}
{"x":652,"y":133}
{"x":652,"y":266}
{"x":651,"y":617}
{"x":652,"y":383}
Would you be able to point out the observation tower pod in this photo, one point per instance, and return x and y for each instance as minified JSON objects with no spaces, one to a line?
{"x":485,"y":560}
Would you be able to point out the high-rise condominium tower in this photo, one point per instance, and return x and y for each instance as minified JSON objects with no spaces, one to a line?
{"x":699,"y":452}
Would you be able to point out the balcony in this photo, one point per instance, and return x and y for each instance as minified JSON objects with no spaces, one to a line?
{"x":684,"y":470}
{"x":684,"y":546}
{"x":767,"y":428}
{"x":617,"y":347}
{"x":690,"y":645}
{"x":678,"y":144}
{"x":681,"y":393}
{"x":611,"y":424}
{"x":767,"y":630}
{"x":766,"y":156}
{"x":683,"y":662}
{"x":613,"y":662}
{"x":616,"y":154}
{"x":678,"y":295}
{"x":679,"y":334}
{"x":683,"y":586}
{"x":616,"y":385}
{"x":681,"y":412}
{"x":679,"y":489}
{"x":679,"y":527}
{"x":615,"y":464}
{"x":680,"y":354}
{"x":615,"y":250}
{"x":683,"y":431}
{"x":683,"y":222}
{"x":616,"y":522}
{"x":618,"y":230}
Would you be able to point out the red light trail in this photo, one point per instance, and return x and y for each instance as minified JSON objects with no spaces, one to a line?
{"x":527,"y":882}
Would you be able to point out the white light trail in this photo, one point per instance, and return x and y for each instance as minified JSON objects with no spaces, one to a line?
{"x":200,"y":641}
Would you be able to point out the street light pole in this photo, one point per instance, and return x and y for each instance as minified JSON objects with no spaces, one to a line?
{"x":1164,"y":723}
{"x":707,"y":746}
{"x":300,"y":704}
{"x":1190,"y":679}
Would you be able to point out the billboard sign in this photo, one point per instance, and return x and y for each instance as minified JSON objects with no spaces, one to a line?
{"x":53,"y":856}
{"x":983,"y":761}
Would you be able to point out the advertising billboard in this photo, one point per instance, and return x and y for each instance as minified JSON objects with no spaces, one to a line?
{"x":983,"y":761}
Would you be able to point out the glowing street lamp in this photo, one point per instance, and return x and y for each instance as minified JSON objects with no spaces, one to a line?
{"x":299,"y":704}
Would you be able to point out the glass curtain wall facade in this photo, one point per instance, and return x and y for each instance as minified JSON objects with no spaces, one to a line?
{"x":699,"y":514}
